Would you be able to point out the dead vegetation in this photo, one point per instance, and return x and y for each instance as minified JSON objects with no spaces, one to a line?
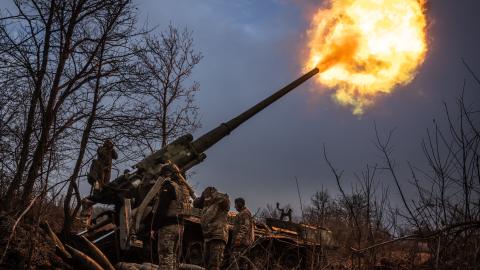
{"x":437,"y":225}
{"x":24,"y":241}
{"x":74,"y":73}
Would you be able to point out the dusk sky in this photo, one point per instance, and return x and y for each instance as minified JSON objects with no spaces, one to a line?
{"x":252,"y":48}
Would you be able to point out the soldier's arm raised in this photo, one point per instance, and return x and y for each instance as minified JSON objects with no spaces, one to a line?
{"x":224,"y":202}
{"x":114,"y":154}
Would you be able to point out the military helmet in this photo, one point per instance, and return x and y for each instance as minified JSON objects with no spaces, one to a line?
{"x":240,"y":201}
{"x":170,"y":168}
{"x":208,"y":191}
{"x":108,"y":142}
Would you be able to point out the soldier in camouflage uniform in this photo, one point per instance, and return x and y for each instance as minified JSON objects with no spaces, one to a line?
{"x":215,"y":206}
{"x":173,"y":202}
{"x":101,"y":167}
{"x":243,"y":235}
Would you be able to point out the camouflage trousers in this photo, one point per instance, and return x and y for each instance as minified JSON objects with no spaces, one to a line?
{"x":169,"y":243}
{"x":237,"y":258}
{"x":214,"y":254}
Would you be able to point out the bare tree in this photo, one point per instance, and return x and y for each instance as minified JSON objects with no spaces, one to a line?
{"x":53,"y":49}
{"x":448,"y":188}
{"x":320,"y":207}
{"x":166,"y":63}
{"x":73,"y":76}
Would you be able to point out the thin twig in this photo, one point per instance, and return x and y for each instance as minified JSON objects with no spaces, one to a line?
{"x":300,"y":199}
{"x":417,"y":236}
{"x":471,"y":71}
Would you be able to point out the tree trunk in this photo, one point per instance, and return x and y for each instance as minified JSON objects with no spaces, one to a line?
{"x":31,"y":113}
{"x":83,"y":145}
{"x":49,"y":114}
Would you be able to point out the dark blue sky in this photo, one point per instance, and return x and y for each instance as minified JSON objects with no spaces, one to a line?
{"x":252,"y":48}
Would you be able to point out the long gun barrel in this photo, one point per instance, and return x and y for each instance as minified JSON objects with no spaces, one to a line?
{"x":186,"y":153}
{"x":133,"y":194}
{"x":215,"y":135}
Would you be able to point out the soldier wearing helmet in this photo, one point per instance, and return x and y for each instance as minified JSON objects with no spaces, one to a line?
{"x":215,"y":206}
{"x":243,"y":235}
{"x":100,"y":170}
{"x":174,"y":202}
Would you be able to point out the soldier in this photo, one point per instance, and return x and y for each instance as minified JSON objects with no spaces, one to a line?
{"x":215,"y":206}
{"x":101,"y":167}
{"x":173,"y":202}
{"x":243,"y":235}
{"x":106,"y":154}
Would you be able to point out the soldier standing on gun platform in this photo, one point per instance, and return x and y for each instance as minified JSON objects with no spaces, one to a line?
{"x":98,"y":177}
{"x":172,"y":204}
{"x":243,"y":235}
{"x":215,"y":206}
{"x":101,"y":167}
{"x":106,"y":154}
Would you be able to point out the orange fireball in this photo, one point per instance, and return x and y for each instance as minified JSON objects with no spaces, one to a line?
{"x":364,"y":48}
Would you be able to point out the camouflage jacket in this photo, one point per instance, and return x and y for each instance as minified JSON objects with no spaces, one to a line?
{"x":214,"y":217}
{"x":243,"y":228}
{"x":173,"y":202}
{"x":106,"y":154}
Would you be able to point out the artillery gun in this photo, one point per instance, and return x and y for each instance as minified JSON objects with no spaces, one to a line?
{"x":124,"y":233}
{"x":184,"y":151}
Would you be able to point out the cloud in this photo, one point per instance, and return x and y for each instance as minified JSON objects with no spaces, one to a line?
{"x":252,"y":48}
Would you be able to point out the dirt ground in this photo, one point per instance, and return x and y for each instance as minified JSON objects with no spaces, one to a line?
{"x":30,"y":247}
